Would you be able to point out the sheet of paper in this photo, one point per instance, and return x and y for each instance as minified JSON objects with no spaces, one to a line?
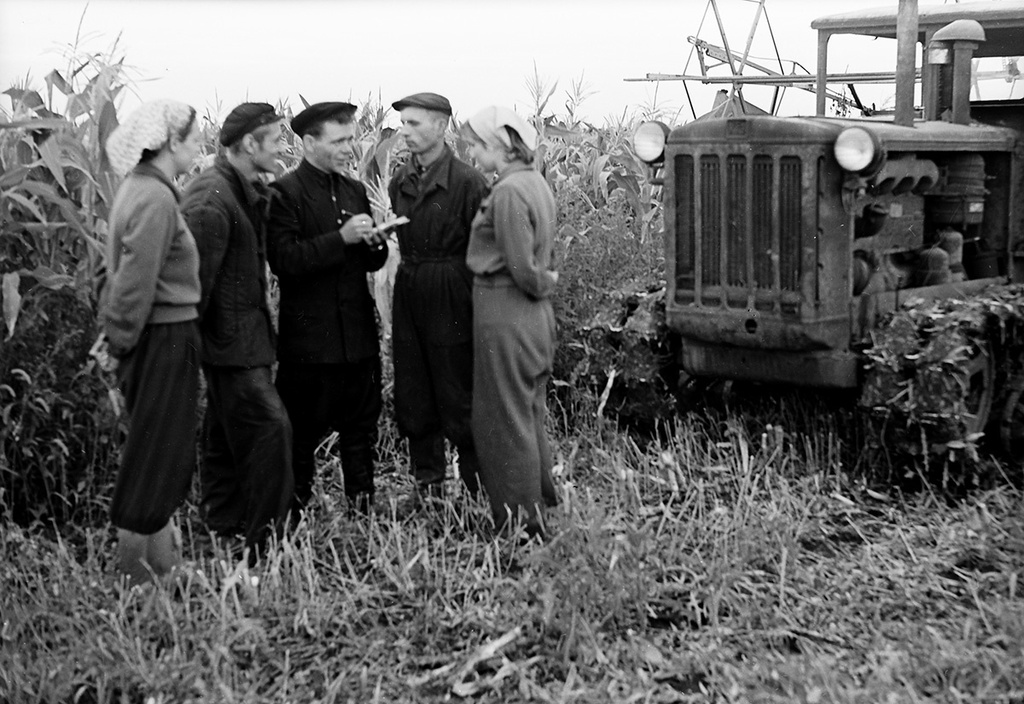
{"x":392,"y":223}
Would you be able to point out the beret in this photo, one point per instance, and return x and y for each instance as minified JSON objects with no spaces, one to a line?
{"x":321,"y":112}
{"x":244,"y":119}
{"x":427,"y":101}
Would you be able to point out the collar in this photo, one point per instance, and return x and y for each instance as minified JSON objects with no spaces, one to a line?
{"x":147,"y":169}
{"x":437,"y":174}
{"x":514,"y":167}
{"x":251,"y":190}
{"x":322,"y":178}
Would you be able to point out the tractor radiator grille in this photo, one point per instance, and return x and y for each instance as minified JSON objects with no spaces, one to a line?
{"x":738,"y":229}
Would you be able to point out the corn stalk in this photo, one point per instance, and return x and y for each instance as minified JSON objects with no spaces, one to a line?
{"x":56,"y":186}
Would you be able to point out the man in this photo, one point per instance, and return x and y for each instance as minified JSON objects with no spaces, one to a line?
{"x":322,"y":243}
{"x":246,"y":472}
{"x":433,"y":318}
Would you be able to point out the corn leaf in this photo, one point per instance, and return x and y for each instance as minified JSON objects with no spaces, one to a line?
{"x":68,"y":209}
{"x":48,"y":278}
{"x":51,"y":158}
{"x":78,"y":105}
{"x":107,"y":125}
{"x":75,"y":155}
{"x":55,"y":80}
{"x":28,"y":98}
{"x":15,"y":176}
{"x":25,"y":203}
{"x":12,"y":301}
{"x":39,"y":123}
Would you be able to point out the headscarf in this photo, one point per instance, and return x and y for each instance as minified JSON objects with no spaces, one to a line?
{"x":490,"y":122}
{"x":149,"y":127}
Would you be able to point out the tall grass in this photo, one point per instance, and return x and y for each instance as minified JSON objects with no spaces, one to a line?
{"x":709,"y":564}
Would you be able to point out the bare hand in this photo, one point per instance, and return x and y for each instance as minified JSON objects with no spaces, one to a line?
{"x":100,"y":351}
{"x":359,"y":228}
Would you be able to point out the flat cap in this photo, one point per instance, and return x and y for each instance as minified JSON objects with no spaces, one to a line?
{"x":427,"y":101}
{"x":318,"y":113}
{"x":244,"y":119}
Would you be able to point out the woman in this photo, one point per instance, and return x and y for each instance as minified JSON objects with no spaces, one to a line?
{"x":148,"y":314}
{"x":513,"y":322}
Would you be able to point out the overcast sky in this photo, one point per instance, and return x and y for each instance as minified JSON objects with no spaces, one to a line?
{"x":214,"y":54}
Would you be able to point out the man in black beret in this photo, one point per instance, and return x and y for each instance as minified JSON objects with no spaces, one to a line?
{"x":246,"y":471}
{"x":322,"y":244}
{"x":433,"y":320}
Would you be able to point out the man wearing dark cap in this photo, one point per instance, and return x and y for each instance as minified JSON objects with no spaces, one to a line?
{"x":322,"y":244}
{"x":433,"y":317}
{"x":246,"y":471}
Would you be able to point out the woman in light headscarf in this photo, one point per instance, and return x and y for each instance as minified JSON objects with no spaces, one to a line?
{"x":148,"y":315}
{"x":513,"y":323}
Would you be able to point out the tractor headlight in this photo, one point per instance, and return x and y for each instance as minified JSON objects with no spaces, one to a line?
{"x":857,"y":150}
{"x":649,"y":141}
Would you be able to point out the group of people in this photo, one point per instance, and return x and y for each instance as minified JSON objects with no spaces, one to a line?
{"x":187,"y":288}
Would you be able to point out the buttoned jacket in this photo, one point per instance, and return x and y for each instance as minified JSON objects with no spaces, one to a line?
{"x":326,"y":311}
{"x":227,"y":216}
{"x":434,"y":285}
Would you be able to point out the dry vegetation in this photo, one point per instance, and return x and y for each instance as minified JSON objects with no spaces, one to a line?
{"x":708,"y":565}
{"x":740,"y":556}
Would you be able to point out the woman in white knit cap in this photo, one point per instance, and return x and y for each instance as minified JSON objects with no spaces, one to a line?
{"x":513,"y":323}
{"x":148,"y":314}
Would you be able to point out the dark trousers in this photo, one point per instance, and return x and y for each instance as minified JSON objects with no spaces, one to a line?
{"x":160,"y":383}
{"x":433,"y":400}
{"x":342,"y":397}
{"x":514,"y":344}
{"x":246,"y":472}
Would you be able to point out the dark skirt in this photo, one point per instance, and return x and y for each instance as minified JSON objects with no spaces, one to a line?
{"x":160,"y":383}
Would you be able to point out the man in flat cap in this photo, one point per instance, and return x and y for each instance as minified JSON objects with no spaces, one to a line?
{"x":322,"y":244}
{"x":433,"y":318}
{"x":246,"y":471}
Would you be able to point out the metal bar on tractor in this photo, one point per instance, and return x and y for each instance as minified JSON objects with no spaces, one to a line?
{"x":784,"y":80}
{"x":698,"y":226}
{"x":748,"y":232}
{"x":776,"y":232}
{"x":738,"y":90}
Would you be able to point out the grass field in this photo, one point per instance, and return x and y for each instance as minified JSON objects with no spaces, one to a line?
{"x":718,"y":561}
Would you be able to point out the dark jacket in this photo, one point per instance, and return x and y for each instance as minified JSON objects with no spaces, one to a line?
{"x":433,"y":289}
{"x":227,"y":216}
{"x":327,"y":313}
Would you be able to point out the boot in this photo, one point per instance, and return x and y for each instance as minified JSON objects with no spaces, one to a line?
{"x":164,"y":549}
{"x":469,"y":470}
{"x":142,"y":557}
{"x":130,"y":556}
{"x":357,"y":471}
{"x":427,"y":461}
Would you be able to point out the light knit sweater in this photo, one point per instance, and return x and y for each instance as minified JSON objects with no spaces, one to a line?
{"x":152,"y":260}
